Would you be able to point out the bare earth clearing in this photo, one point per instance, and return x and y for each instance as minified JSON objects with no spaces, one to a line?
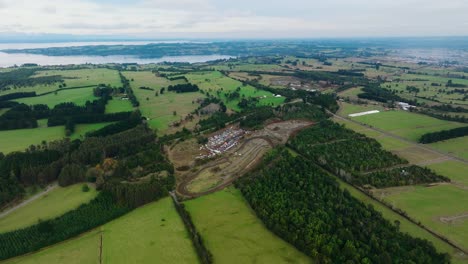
{"x":227,"y":167}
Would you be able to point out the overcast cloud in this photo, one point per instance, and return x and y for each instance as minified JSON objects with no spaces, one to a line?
{"x":234,"y":19}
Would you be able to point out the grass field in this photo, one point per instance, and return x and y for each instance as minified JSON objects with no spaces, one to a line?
{"x":141,"y":236}
{"x":77,"y":96}
{"x":73,"y":78}
{"x":455,"y":146}
{"x":215,"y":81}
{"x":150,"y":234}
{"x":82,"y":129}
{"x":117,"y":105}
{"x":84,"y":77}
{"x":83,"y":249}
{"x":233,"y":233}
{"x":160,"y":109}
{"x":52,"y":204}
{"x":20,"y":139}
{"x":428,"y":204}
{"x":347,"y":108}
{"x":406,"y":124}
{"x":405,"y":225}
{"x":455,"y":170}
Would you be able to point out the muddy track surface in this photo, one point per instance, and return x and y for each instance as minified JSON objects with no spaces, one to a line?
{"x":244,"y":157}
{"x":233,"y":173}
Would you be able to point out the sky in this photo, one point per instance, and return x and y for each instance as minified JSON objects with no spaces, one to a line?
{"x":184,"y":19}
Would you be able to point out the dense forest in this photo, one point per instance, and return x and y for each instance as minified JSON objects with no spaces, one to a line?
{"x":357,"y":159}
{"x":443,"y":135}
{"x":306,"y":207}
{"x":399,"y":177}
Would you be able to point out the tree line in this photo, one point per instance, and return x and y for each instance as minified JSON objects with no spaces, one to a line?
{"x":443,"y":135}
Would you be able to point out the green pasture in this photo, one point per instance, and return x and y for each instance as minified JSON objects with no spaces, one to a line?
{"x":21,"y":139}
{"x":406,"y":124}
{"x":455,"y":146}
{"x":118,"y":105}
{"x":153,"y":233}
{"x":55,"y":203}
{"x":78,"y":96}
{"x":160,"y":109}
{"x":212,"y":82}
{"x":430,"y":204}
{"x":233,"y":234}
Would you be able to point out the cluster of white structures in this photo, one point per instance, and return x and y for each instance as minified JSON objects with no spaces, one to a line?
{"x":222,"y":142}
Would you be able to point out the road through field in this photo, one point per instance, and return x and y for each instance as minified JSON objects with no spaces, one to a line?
{"x":28,"y":201}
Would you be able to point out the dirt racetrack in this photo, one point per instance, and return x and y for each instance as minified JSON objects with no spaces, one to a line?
{"x":229,"y":166}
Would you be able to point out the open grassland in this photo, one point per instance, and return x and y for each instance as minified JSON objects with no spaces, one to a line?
{"x":150,"y":234}
{"x":117,"y":105}
{"x":405,"y":225}
{"x":455,"y":170}
{"x":164,"y":109}
{"x":212,"y":82}
{"x":72,"y":78}
{"x":455,"y":146}
{"x":351,"y":93}
{"x":21,"y":139}
{"x":431,"y":205}
{"x":153,"y":233}
{"x":85,"y":77}
{"x":53,"y":204}
{"x":406,"y":124}
{"x":83,"y":249}
{"x":78,"y":96}
{"x":233,"y":234}
{"x":346,"y":108}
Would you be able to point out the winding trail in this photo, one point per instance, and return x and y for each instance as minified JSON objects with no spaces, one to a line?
{"x":28,"y":201}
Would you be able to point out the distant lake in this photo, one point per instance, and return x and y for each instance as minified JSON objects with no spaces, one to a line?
{"x":8,"y":60}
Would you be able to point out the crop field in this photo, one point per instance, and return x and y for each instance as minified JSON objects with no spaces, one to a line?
{"x":405,"y":225}
{"x":85,"y":77}
{"x":20,"y":139}
{"x":78,"y":96}
{"x":215,"y":81}
{"x":442,"y":208}
{"x":160,"y":109}
{"x":83,"y":249}
{"x":117,"y":105}
{"x":455,"y":146}
{"x":233,"y":234}
{"x":53,"y":204}
{"x":406,"y":124}
{"x":152,"y":233}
